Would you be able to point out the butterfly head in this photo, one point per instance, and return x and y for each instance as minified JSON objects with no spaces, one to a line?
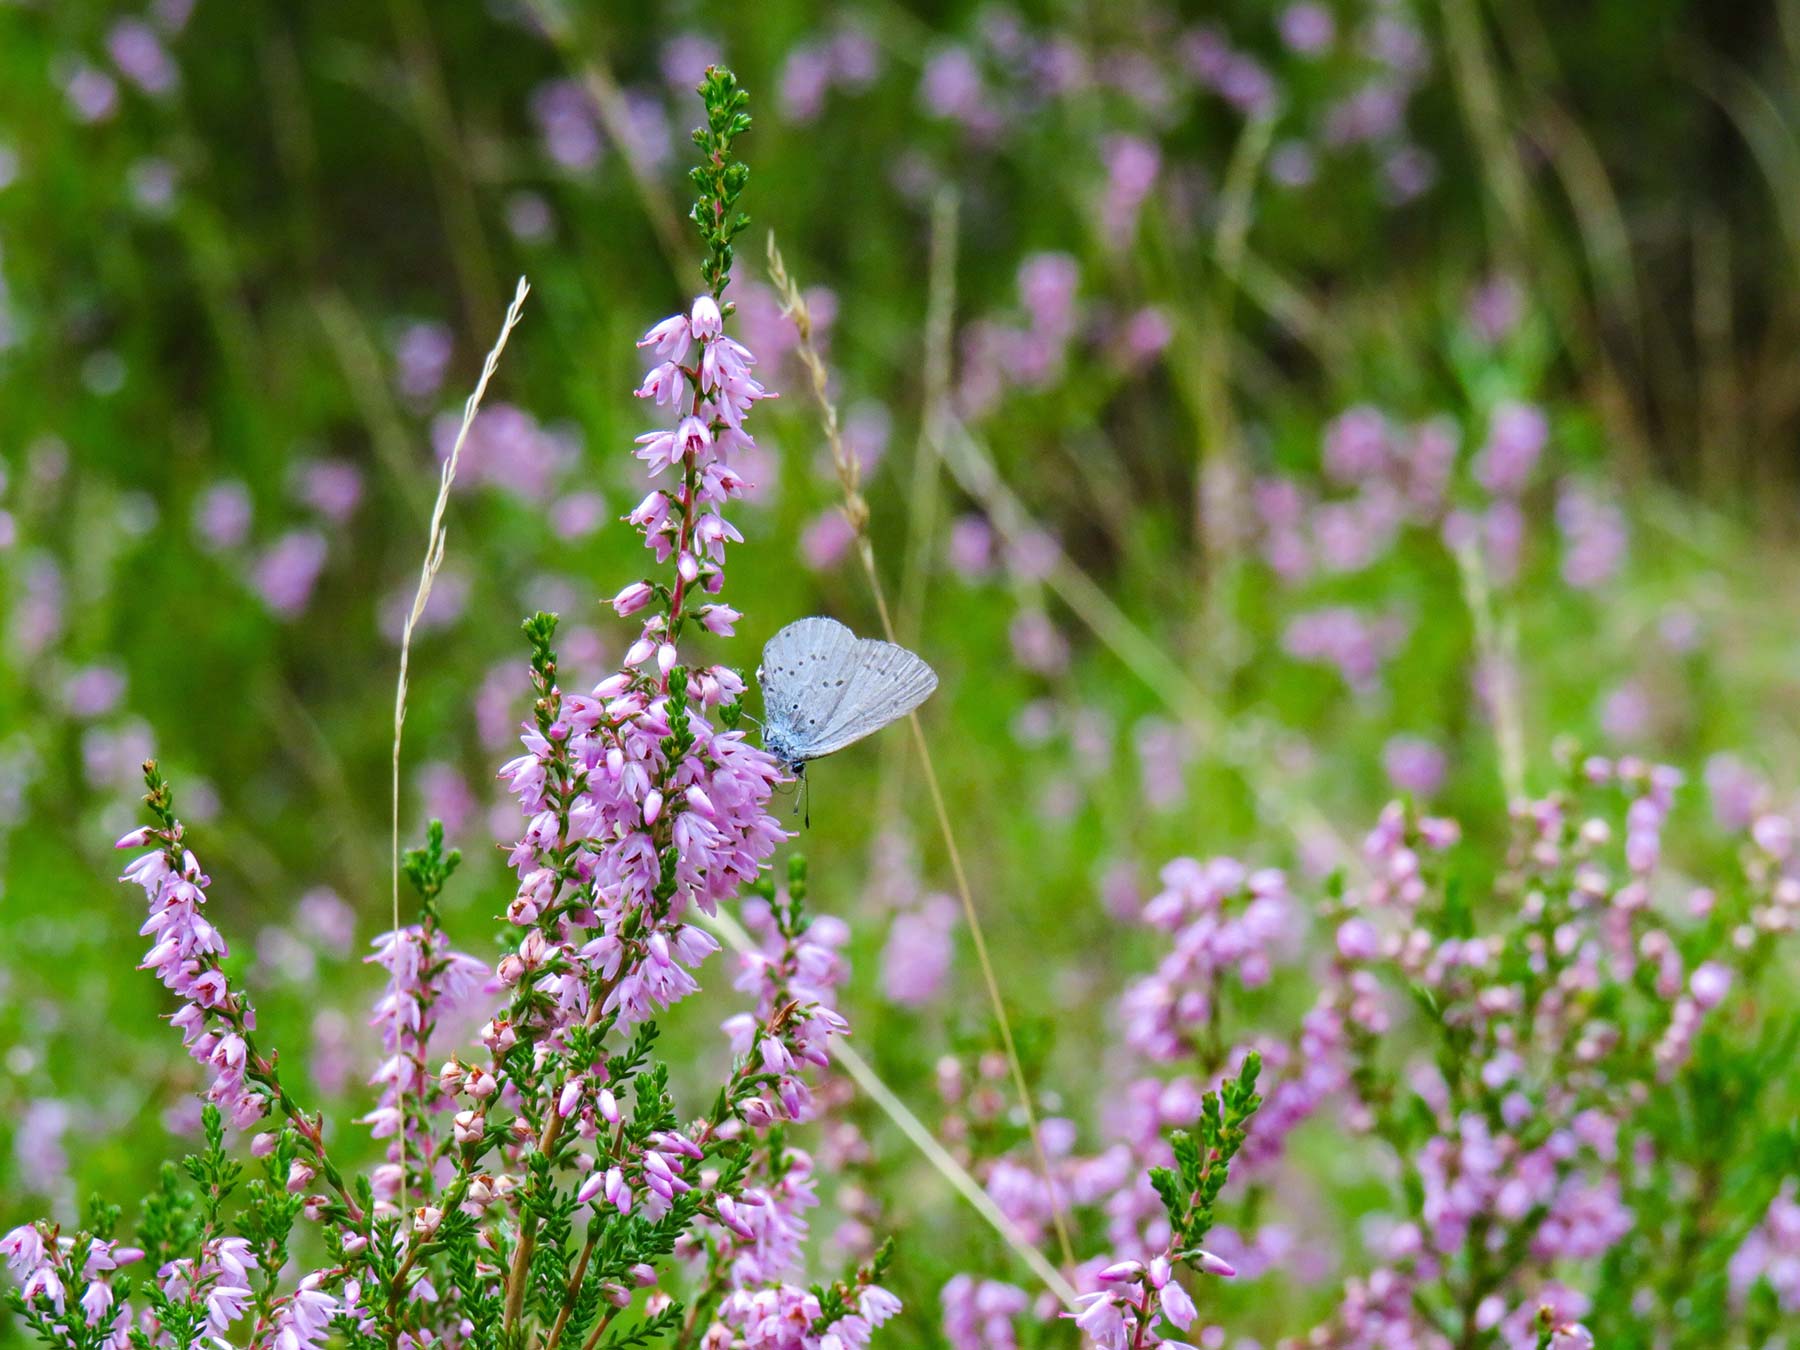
{"x":779,"y":741}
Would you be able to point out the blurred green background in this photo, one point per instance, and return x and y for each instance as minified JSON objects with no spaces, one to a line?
{"x":251,"y":256}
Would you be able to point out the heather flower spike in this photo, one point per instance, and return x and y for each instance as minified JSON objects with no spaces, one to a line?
{"x":540,"y":1185}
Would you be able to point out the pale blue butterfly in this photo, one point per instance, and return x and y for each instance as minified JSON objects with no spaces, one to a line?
{"x":825,"y":688}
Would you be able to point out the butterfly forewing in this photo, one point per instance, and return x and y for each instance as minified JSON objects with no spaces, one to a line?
{"x":881,"y":682}
{"x":803,"y":676}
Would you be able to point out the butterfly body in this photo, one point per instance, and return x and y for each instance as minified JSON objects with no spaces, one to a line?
{"x":825,"y":688}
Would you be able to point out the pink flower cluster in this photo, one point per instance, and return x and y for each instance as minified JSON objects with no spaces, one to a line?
{"x":185,"y":954}
{"x":784,"y":1318}
{"x":1221,"y":920}
{"x":425,"y":980}
{"x":1134,"y":1296}
{"x":794,"y":979}
{"x":49,"y":1268}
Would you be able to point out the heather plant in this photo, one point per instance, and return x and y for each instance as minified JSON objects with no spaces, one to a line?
{"x":1546,"y":1056}
{"x":541,"y":1192}
{"x":1256,"y":416}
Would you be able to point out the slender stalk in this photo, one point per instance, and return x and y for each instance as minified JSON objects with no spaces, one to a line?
{"x":600,"y":1329}
{"x":552,"y":1131}
{"x":857,"y":511}
{"x":436,"y":542}
{"x":573,"y":1291}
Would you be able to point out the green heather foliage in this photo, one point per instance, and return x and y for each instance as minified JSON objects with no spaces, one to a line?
{"x":1337,"y":457}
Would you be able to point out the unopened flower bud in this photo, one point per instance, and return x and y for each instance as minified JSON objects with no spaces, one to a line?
{"x":499,"y":1036}
{"x":569,"y":1098}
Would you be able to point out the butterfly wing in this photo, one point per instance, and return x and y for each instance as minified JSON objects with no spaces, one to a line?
{"x":803,"y":678}
{"x":881,"y":681}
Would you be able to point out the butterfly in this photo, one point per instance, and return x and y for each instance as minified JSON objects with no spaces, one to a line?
{"x":825,"y":688}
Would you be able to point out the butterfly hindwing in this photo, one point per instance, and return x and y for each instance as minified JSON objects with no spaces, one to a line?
{"x":882,"y":682}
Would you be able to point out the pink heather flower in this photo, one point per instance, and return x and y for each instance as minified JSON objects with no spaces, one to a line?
{"x":222,"y":516}
{"x":93,"y":691}
{"x":1414,"y":765}
{"x":979,"y":1315}
{"x":24,"y":1249}
{"x":1358,"y":646}
{"x":303,"y":1321}
{"x":1517,"y":435}
{"x":1593,"y":534}
{"x":568,"y":125}
{"x":1737,"y":793}
{"x":1408,"y":173}
{"x":1177,"y":1306}
{"x":285,"y":574}
{"x":633,"y":598}
{"x":1146,"y":334}
{"x":577,"y":515}
{"x":1307,"y":28}
{"x":332,"y":487}
{"x":422,"y":353}
{"x":1357,"y":940}
{"x":1495,"y":308}
{"x":1047,"y":285}
{"x":1132,"y":166}
{"x":971,"y":547}
{"x":1037,"y":644}
{"x":529,"y":217}
{"x":1626,"y":713}
{"x":826,"y":539}
{"x":916,"y":959}
{"x":951,"y":87}
{"x":153,"y":182}
{"x":704,"y":320}
{"x":1709,"y":984}
{"x":507,"y":450}
{"x":141,"y":57}
{"x":1357,"y":445}
{"x":410,"y":1005}
{"x":92,"y":94}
